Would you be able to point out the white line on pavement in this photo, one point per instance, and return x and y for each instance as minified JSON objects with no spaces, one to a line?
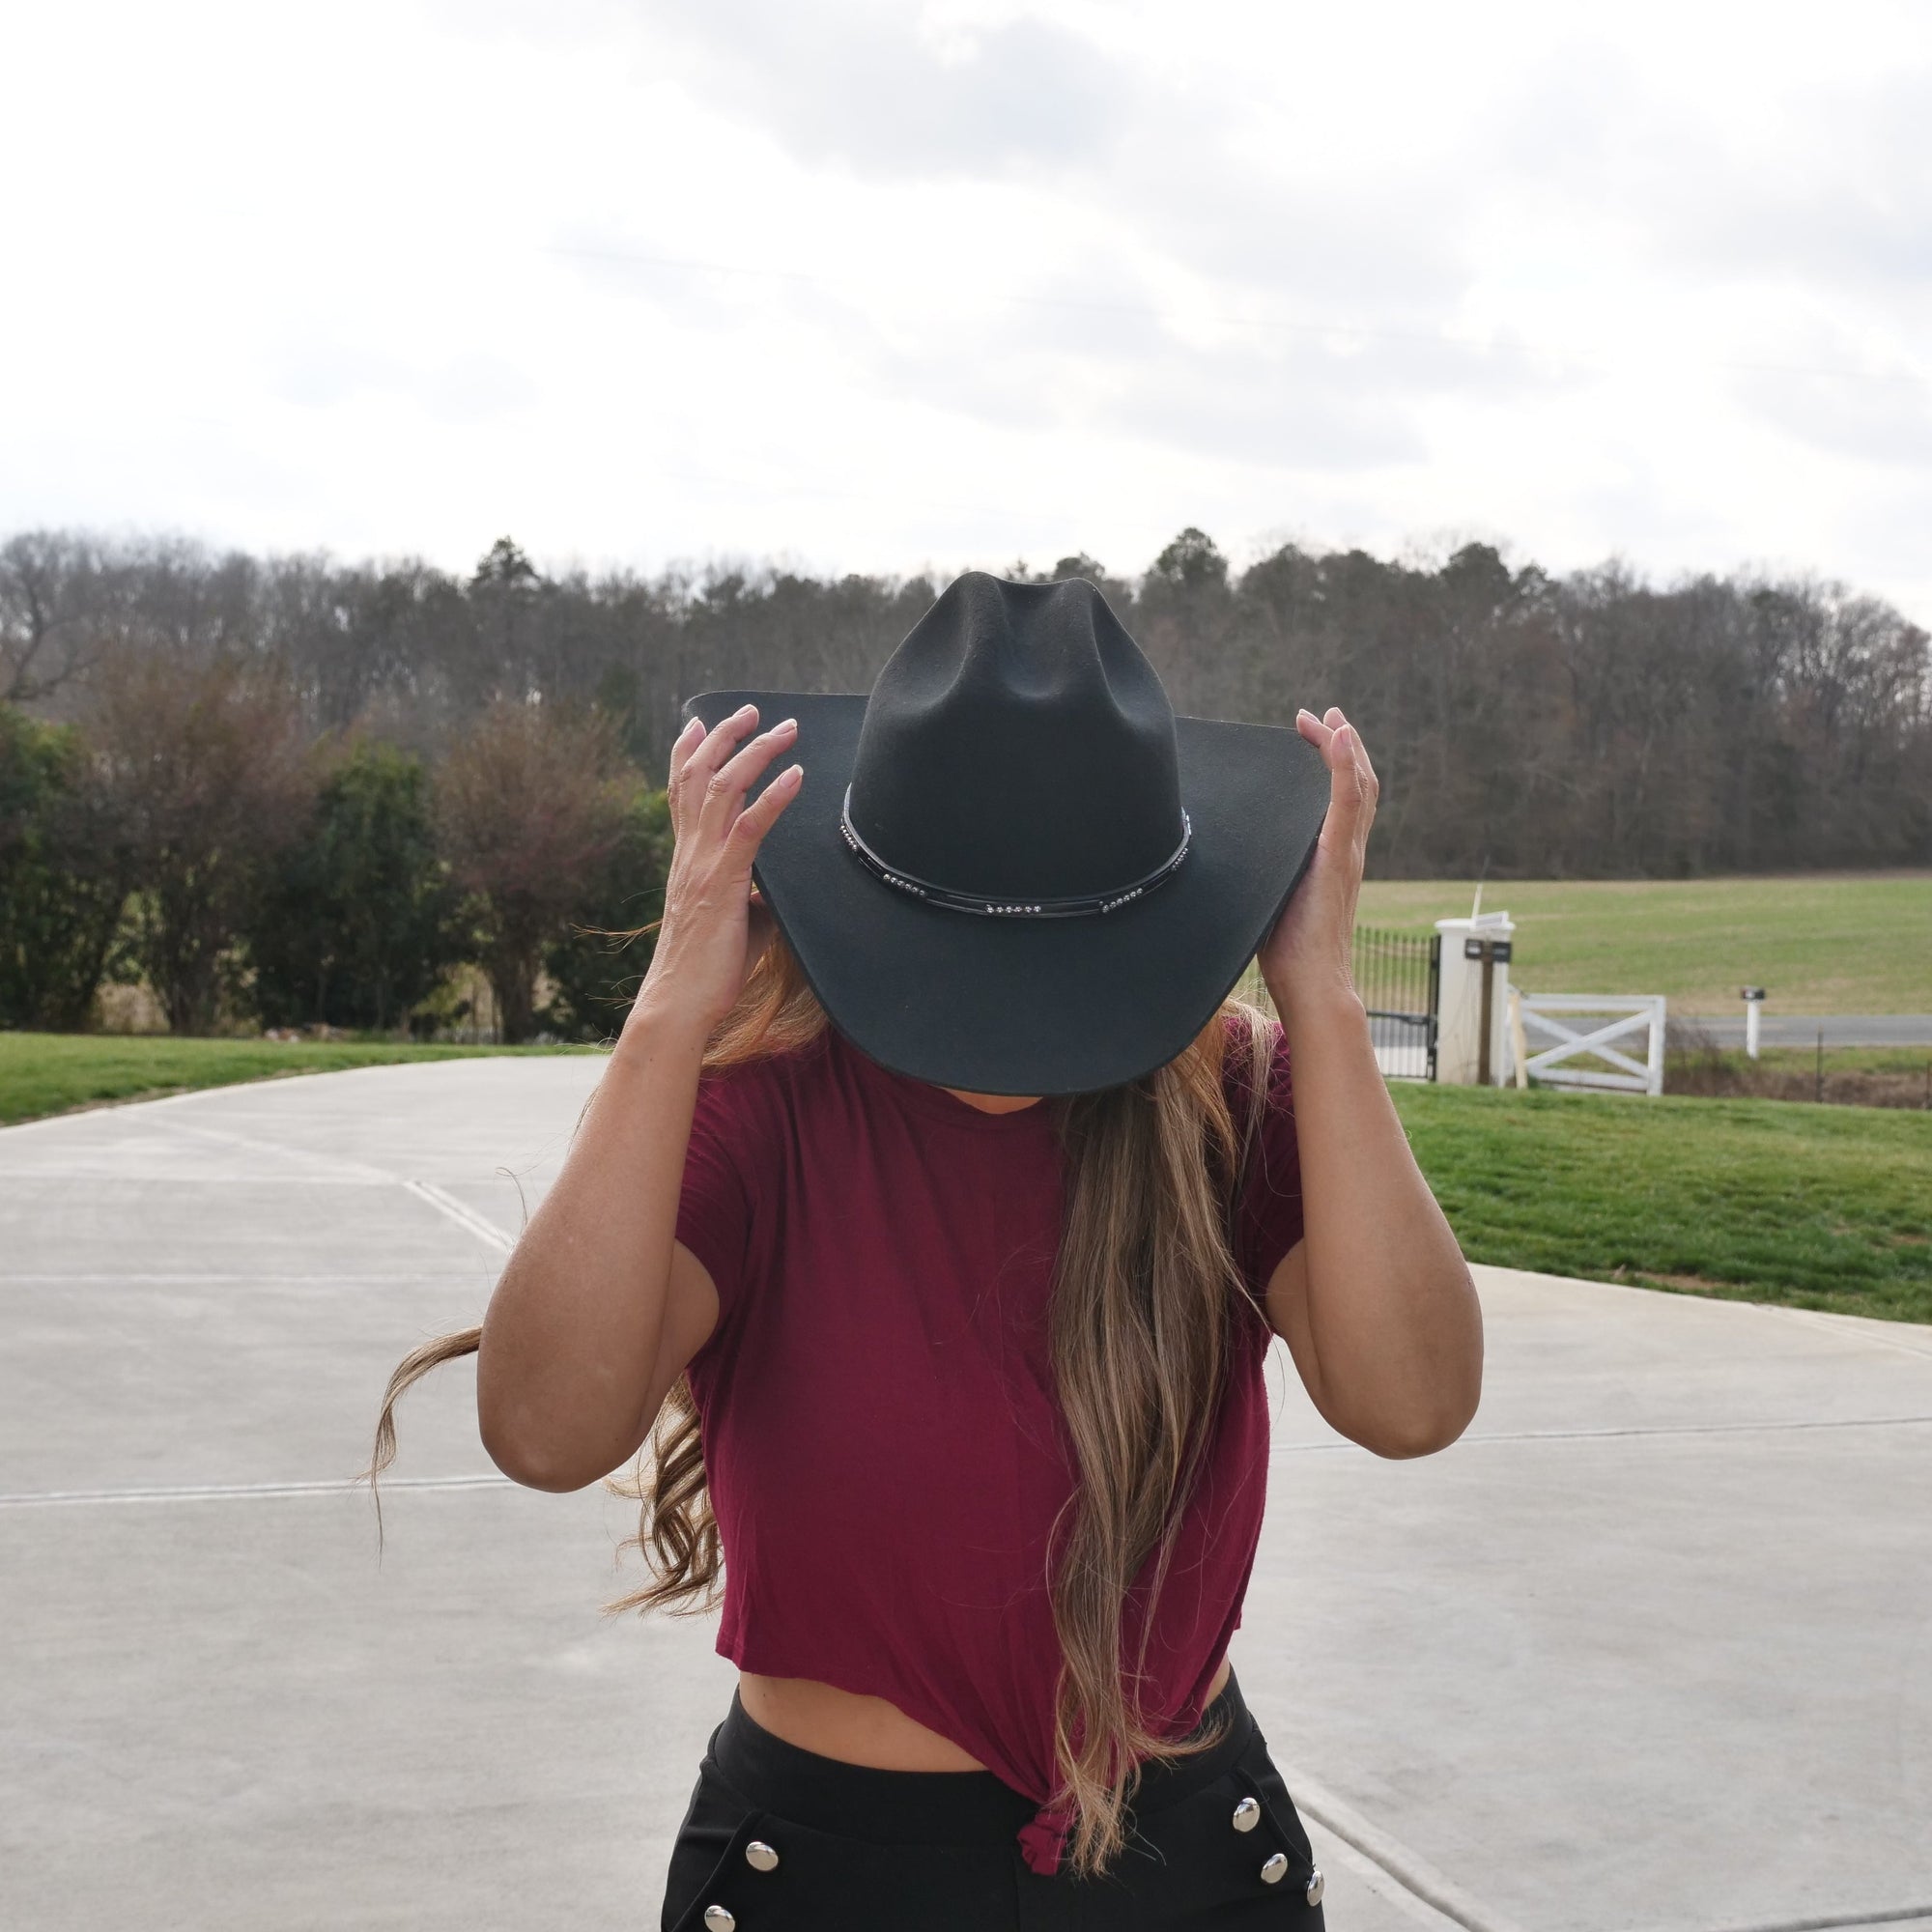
{"x":191,"y":1493}
{"x":232,"y":1278}
{"x":464,"y":1216}
{"x":1414,"y":1874}
{"x":331,"y":1166}
{"x":1913,"y":1338}
{"x":1337,"y":1855}
{"x":1657,"y":1428}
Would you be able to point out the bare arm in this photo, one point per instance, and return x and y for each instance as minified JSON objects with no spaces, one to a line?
{"x":596,"y":1298}
{"x":1376,"y":1301}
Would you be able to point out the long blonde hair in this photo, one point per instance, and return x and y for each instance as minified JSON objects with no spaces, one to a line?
{"x":1144,"y":1295}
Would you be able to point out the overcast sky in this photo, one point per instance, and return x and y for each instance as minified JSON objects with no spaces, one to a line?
{"x":887,"y":286}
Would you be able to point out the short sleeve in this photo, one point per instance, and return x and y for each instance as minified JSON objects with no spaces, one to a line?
{"x":1269,"y":1214}
{"x":714,"y":1209}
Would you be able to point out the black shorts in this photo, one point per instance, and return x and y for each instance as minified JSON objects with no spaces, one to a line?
{"x":780,"y":1839}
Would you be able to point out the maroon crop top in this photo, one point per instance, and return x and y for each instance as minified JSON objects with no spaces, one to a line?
{"x":884,"y":1451}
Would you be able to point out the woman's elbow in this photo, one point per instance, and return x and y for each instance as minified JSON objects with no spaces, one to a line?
{"x":524,"y":1456}
{"x":1422,"y":1436}
{"x":514,"y":1462}
{"x":1424,"y":1426}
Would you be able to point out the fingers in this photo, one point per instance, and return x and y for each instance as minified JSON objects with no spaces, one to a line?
{"x":698,"y":752}
{"x":751,"y":824}
{"x":681,"y":748}
{"x":1354,"y":787}
{"x":1362,"y":763}
{"x":708,"y":777}
{"x":1333,"y":737}
{"x":725,"y":788}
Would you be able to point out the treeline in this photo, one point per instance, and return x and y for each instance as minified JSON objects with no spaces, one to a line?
{"x":300,"y":790}
{"x":189,"y":835}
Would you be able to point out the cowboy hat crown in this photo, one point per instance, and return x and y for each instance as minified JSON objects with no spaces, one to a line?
{"x":1018,"y":748}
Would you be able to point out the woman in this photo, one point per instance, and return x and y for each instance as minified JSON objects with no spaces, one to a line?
{"x":935,"y":1209}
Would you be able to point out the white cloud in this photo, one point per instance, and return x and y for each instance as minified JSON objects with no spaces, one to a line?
{"x":877,"y":286}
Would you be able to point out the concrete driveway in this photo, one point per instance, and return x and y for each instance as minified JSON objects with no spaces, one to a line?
{"x":1650,"y":1647}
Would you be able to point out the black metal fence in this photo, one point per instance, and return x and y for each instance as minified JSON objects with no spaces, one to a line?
{"x":1399,"y":974}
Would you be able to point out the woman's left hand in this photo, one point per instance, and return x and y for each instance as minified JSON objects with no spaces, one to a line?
{"x":1309,"y":952}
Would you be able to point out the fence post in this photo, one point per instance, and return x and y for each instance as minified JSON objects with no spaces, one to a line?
{"x":1472,"y":1034}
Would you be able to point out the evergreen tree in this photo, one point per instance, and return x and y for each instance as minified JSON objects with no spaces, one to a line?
{"x":64,"y":876}
{"x":360,"y":919}
{"x":598,"y":964}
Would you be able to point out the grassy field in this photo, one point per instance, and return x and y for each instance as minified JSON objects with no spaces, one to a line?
{"x":1749,"y":1200}
{"x":52,"y":1073}
{"x":1753,"y":1200}
{"x":1823,"y":942}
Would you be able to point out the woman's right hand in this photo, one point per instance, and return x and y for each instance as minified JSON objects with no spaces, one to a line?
{"x":713,"y":930}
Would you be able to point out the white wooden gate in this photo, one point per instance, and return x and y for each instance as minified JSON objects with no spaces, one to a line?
{"x":1554,"y":1064}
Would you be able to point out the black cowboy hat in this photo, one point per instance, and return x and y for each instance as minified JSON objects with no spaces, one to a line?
{"x":1013,"y":868}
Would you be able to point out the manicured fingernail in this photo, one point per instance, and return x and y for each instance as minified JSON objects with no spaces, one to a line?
{"x":784,"y":725}
{"x":791,"y":774}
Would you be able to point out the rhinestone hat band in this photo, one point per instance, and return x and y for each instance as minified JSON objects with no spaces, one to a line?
{"x":1060,"y":908}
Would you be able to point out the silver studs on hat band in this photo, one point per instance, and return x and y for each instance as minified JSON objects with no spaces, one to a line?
{"x":1068,"y":907}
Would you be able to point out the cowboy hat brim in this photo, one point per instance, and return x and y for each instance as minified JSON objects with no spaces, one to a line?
{"x":994,"y":1005}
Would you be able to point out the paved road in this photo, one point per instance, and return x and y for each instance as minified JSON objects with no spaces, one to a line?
{"x":1803,"y":1029}
{"x":1650,"y":1647}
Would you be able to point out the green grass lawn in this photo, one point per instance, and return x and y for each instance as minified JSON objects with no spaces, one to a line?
{"x":1823,"y":942}
{"x":54,"y":1072}
{"x":1749,"y":1200}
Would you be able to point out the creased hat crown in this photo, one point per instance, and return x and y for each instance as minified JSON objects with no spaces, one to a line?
{"x":1018,"y":742}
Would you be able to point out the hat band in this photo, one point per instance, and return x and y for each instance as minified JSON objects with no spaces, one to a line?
{"x":1069,"y":907}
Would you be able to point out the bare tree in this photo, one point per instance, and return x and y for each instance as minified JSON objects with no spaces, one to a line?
{"x":532,"y":803}
{"x":205,"y":765}
{"x":49,"y":598}
{"x":1586,"y":724}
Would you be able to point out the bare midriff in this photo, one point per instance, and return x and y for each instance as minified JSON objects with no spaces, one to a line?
{"x":861,"y":1730}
